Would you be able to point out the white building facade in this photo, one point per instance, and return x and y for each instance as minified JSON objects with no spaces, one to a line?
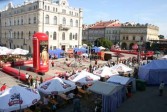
{"x":62,"y":24}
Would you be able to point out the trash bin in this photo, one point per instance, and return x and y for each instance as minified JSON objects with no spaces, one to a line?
{"x":140,"y":85}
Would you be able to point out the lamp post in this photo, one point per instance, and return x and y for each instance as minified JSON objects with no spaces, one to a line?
{"x":139,"y":51}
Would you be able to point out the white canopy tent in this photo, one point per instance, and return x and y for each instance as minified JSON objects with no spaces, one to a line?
{"x":123,"y":81}
{"x":164,"y":57}
{"x":84,"y":77}
{"x":18,"y":97}
{"x":56,"y":86}
{"x":121,"y":68}
{"x":102,"y":48}
{"x":105,"y":72}
{"x":104,"y":88}
{"x":5,"y":51}
{"x":19,"y":51}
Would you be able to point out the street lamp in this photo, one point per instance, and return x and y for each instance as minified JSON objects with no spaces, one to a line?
{"x":139,"y":51}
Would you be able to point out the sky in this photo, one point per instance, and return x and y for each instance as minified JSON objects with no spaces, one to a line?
{"x":138,"y":11}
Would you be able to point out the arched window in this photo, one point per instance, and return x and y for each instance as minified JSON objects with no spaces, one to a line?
{"x":22,"y":35}
{"x":47,"y":19}
{"x":63,"y":36}
{"x":54,"y":36}
{"x":71,"y":22}
{"x":14,"y":46}
{"x":76,"y":36}
{"x":70,"y":36}
{"x":18,"y":35}
{"x":76,"y":23}
{"x":47,"y":33}
{"x":21,"y":47}
{"x":35,"y":20}
{"x":55,"y":20}
{"x":48,"y":8}
{"x":64,"y":21}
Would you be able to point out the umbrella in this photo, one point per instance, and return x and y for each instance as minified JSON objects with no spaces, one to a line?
{"x":56,"y":86}
{"x":18,"y":97}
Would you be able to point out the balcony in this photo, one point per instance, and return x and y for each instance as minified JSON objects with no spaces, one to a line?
{"x":64,"y":27}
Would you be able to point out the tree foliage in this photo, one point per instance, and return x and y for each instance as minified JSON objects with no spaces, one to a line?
{"x":161,"y":36}
{"x":103,"y":42}
{"x":86,"y":42}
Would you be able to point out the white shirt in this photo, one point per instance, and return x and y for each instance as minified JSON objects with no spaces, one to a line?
{"x":27,"y":76}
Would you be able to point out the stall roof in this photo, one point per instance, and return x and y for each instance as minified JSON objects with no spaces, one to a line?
{"x":104,"y":88}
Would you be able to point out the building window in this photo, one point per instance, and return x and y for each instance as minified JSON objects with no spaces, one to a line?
{"x":53,"y":9}
{"x":123,"y":37}
{"x":50,"y":47}
{"x":47,"y":19}
{"x":76,"y":36}
{"x":133,"y":37}
{"x":76,"y":23}
{"x":64,"y":21}
{"x":14,"y":34}
{"x":18,"y":35}
{"x":73,"y":36}
{"x":54,"y":47}
{"x":70,"y":36}
{"x":14,"y":22}
{"x":35,"y":20}
{"x":47,"y":33}
{"x":55,"y":20}
{"x":70,"y":46}
{"x":54,"y":36}
{"x":29,"y":20}
{"x":18,"y":22}
{"x":63,"y":11}
{"x":22,"y":21}
{"x":22,"y":35}
{"x":45,"y":7}
{"x":63,"y":36}
{"x":71,"y":22}
{"x":141,"y":38}
{"x":48,"y":8}
{"x":127,"y":38}
{"x":29,"y":34}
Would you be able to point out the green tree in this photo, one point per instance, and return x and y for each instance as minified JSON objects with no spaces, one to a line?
{"x":103,"y":42}
{"x":161,"y":36}
{"x":86,"y":42}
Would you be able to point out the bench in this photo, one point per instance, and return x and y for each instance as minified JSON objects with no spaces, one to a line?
{"x":82,"y":91}
{"x":64,"y":97}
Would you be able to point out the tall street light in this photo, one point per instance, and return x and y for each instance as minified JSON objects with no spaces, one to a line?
{"x":139,"y":51}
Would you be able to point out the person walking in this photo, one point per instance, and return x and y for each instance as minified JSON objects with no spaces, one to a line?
{"x":27,"y":75}
{"x":76,"y":104}
{"x":52,"y":63}
{"x":161,"y":87}
{"x":3,"y":87}
{"x":41,"y":80}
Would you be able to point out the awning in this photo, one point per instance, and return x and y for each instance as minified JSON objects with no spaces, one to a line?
{"x":104,"y":88}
